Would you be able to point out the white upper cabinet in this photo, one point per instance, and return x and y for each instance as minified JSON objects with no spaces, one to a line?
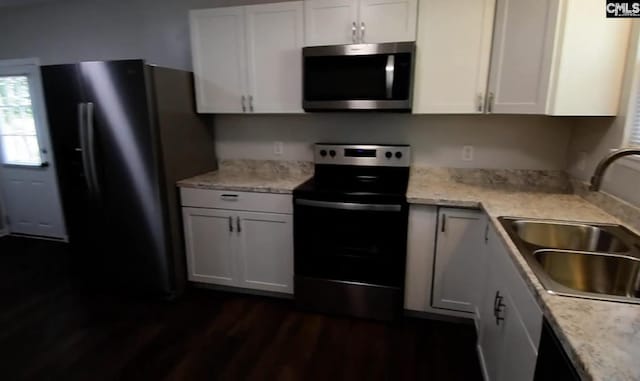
{"x":219,"y":63}
{"x":388,"y":20}
{"x":332,"y":22}
{"x":522,"y":48}
{"x":248,"y":59}
{"x":452,"y":56}
{"x":556,"y":58}
{"x":274,"y":42}
{"x":589,"y":62}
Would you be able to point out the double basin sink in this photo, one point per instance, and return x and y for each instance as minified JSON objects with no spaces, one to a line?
{"x":596,"y":261}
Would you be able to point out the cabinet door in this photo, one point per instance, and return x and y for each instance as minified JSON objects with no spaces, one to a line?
{"x":266,"y":251}
{"x":274,"y":43}
{"x":388,"y":20}
{"x":459,"y":252}
{"x":219,"y":63}
{"x":518,"y":356}
{"x":210,"y":250}
{"x":490,"y":333}
{"x":330,"y":22}
{"x":521,"y":58}
{"x":452,"y":56}
{"x":421,"y":238}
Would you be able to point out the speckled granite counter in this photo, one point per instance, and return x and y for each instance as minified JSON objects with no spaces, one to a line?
{"x":601,"y":338}
{"x":253,"y":176}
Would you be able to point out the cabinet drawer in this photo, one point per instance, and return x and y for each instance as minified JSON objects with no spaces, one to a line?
{"x":250,"y":201}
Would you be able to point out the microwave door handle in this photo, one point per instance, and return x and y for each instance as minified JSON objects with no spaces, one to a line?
{"x":390,"y":71}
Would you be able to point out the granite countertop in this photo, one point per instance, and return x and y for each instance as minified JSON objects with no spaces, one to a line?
{"x":253,"y":176}
{"x":602,"y":338}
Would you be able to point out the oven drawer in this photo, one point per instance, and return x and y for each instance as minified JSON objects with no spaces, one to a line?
{"x":251,"y":201}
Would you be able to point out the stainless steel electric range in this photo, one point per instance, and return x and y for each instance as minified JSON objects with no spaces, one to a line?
{"x":350,"y":231}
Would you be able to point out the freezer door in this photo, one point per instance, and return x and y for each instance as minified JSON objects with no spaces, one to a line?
{"x":64,"y":98}
{"x":125,"y":171}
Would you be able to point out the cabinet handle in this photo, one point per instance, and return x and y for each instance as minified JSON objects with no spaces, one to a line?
{"x":238,"y":226}
{"x":244,"y":108}
{"x":362,"y":32}
{"x":486,"y":233}
{"x":490,"y":99}
{"x":354,"y":29}
{"x":231,"y":224}
{"x":444,"y":223}
{"x":229,"y":197}
{"x":480,"y":102}
{"x":251,"y":103}
{"x":497,"y":307}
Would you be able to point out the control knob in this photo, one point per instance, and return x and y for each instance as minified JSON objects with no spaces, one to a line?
{"x":388,"y":155}
{"x":398,"y":154}
{"x":332,"y":153}
{"x":323,"y":152}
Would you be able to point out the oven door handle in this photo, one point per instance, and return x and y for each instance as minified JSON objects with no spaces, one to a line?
{"x":350,"y":205}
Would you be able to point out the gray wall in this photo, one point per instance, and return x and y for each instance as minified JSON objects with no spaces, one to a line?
{"x":69,"y":30}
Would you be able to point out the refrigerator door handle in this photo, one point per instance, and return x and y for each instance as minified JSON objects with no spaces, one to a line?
{"x":95,"y":187}
{"x":84,"y":148}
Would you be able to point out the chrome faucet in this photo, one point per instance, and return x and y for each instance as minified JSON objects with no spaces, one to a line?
{"x":596,"y":179}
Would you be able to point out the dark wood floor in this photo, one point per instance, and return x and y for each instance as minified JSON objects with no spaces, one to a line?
{"x":53,"y":330}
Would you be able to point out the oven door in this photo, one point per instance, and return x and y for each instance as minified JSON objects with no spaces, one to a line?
{"x":351,"y":242}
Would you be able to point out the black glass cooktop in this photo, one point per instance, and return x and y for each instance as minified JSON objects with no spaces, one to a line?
{"x":356,"y":184}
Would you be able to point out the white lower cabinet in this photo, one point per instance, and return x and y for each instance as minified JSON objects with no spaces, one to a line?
{"x":444,"y":253}
{"x":459,"y":254}
{"x":210,"y":248}
{"x":266,"y":251}
{"x":510,"y":321}
{"x":238,"y":248}
{"x":421,"y":238}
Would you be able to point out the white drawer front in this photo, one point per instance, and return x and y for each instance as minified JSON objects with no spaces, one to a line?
{"x":250,"y":201}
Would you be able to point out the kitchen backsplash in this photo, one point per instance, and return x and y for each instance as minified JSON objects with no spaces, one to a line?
{"x":504,"y":142}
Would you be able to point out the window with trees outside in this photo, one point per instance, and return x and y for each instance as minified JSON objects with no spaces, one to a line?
{"x":18,"y":134}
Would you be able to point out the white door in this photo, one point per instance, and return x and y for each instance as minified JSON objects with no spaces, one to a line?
{"x":452,"y":56}
{"x":274,"y":42}
{"x":330,"y":22}
{"x":209,"y":238}
{"x":521,"y":58}
{"x":28,"y":182}
{"x":388,"y":20}
{"x":219,"y":63}
{"x":459,"y":253}
{"x":266,"y":251}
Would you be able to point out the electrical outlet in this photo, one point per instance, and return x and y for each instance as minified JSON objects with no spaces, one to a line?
{"x":278,"y":148}
{"x":467,"y":153}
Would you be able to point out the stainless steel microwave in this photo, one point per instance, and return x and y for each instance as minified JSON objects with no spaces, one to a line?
{"x":358,"y":77}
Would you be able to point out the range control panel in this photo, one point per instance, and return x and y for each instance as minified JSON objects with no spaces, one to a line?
{"x":363,"y":154}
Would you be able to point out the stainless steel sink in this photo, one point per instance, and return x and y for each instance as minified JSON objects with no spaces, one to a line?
{"x":598,"y":261}
{"x":592,"y":272}
{"x":568,"y":236}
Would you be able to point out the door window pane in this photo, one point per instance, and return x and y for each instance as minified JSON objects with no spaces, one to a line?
{"x":17,"y":125}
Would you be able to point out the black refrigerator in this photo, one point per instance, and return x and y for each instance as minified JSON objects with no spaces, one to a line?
{"x":123,"y":133}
